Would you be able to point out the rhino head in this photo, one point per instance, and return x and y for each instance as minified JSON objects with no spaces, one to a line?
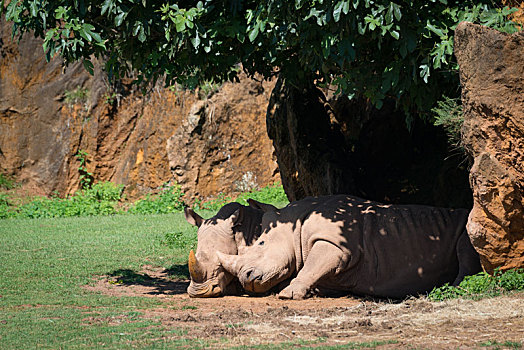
{"x":268,"y":262}
{"x":230,"y":231}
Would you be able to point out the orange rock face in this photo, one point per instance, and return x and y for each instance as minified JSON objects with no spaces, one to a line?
{"x":48,"y":115}
{"x":492,"y":78}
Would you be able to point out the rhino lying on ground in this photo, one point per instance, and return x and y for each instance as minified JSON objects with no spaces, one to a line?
{"x":232,"y":229}
{"x":343,"y":244}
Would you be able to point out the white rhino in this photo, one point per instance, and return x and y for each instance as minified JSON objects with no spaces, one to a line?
{"x":342,"y":244}
{"x":233,"y":228}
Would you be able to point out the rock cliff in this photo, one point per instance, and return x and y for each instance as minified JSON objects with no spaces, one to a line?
{"x":49,"y":116}
{"x":492,"y":78}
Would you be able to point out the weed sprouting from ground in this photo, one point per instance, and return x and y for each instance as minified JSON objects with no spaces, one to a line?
{"x":481,"y":285}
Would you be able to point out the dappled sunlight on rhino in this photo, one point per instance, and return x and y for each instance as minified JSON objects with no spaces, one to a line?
{"x":232,"y":229}
{"x":341,"y":244}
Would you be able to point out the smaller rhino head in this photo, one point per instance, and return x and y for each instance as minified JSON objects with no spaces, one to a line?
{"x":232,"y":229}
{"x":264,"y":265}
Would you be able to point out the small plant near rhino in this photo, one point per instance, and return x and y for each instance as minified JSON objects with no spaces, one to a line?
{"x":481,"y":285}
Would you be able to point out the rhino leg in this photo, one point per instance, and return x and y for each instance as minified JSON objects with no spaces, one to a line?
{"x":468,"y":259}
{"x":322,"y":261}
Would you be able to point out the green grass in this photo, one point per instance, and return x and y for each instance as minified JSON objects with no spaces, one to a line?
{"x":493,"y":344}
{"x":317,"y":345}
{"x":45,"y":262}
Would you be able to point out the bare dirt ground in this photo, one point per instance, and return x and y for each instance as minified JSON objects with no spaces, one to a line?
{"x":413,"y":323}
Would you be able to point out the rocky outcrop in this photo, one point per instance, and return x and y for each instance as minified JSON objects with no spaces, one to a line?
{"x":49,"y":116}
{"x":492,"y":78}
{"x":224,"y":142}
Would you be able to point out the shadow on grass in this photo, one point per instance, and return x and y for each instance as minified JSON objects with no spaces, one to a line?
{"x":178,"y":271}
{"x":162,"y":282}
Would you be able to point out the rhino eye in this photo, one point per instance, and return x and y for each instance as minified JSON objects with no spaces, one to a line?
{"x":261,"y":243}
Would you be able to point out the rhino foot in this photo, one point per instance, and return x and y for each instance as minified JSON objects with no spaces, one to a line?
{"x":293,"y":291}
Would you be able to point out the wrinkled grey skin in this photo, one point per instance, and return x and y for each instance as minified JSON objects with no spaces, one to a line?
{"x":232,"y":229}
{"x":342,"y":244}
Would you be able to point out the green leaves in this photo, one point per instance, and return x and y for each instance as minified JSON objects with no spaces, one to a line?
{"x":376,"y":48}
{"x":340,"y":7}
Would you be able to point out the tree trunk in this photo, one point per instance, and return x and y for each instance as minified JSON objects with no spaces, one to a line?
{"x":311,"y":151}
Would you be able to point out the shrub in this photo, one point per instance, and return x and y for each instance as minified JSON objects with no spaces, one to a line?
{"x":213,"y":204}
{"x":272,"y":194}
{"x":481,"y":285}
{"x":169,"y":200}
{"x":101,"y":199}
{"x":76,"y":96}
{"x":5,"y":207}
{"x":448,"y":114}
{"x":6,"y":182}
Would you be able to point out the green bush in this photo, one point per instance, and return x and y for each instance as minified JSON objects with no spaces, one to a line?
{"x":271,"y":194}
{"x":169,"y":200}
{"x":213,"y":204}
{"x":6,"y":183}
{"x":448,"y":114}
{"x":5,"y":207}
{"x":101,"y":199}
{"x":481,"y":285}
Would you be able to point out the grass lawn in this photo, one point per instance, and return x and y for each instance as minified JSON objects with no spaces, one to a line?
{"x":45,"y":262}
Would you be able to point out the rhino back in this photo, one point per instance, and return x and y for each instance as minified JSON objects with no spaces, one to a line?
{"x":389,"y":250}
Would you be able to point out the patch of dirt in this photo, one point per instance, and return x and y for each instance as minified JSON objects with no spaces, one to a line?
{"x":244,"y":320}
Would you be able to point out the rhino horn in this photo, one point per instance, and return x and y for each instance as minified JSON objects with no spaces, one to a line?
{"x":195,"y":270}
{"x":229,"y":262}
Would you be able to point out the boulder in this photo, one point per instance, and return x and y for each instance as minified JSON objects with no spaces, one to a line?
{"x":492,"y":78}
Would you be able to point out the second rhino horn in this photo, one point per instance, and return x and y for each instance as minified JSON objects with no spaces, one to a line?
{"x":229,"y":262}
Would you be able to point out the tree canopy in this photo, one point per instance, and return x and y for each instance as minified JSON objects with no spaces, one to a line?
{"x":373,"y":48}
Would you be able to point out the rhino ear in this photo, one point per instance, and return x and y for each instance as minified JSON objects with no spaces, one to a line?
{"x":237,"y":217}
{"x":261,"y":206}
{"x":192,"y":217}
{"x":229,"y":262}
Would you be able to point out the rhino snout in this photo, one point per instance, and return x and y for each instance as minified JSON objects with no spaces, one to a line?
{"x":253,"y":275}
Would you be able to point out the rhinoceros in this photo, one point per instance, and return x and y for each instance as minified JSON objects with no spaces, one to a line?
{"x":232,"y":229}
{"x":347,"y":245}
